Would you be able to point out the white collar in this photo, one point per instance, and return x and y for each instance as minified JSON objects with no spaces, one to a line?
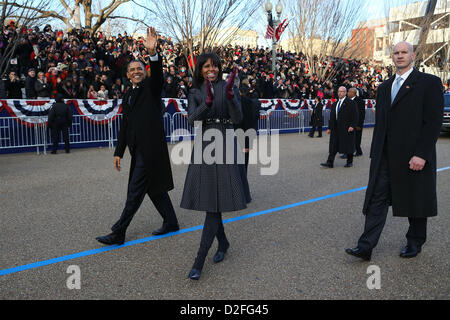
{"x":405,"y":75}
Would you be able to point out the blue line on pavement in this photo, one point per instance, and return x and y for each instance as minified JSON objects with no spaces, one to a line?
{"x":152,"y":238}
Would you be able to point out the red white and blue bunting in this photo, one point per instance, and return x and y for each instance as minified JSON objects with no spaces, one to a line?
{"x":98,"y":111}
{"x":32,"y":112}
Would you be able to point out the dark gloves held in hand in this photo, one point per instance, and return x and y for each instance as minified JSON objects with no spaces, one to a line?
{"x":230,"y":83}
{"x":209,"y":94}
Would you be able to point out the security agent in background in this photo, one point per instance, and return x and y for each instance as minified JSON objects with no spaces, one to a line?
{"x":353,"y":95}
{"x":60,"y":119}
{"x":316,"y":121}
{"x":250,"y":112}
{"x":142,"y":130}
{"x":341,"y":127}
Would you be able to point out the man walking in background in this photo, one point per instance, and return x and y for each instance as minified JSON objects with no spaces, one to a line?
{"x":353,"y":95}
{"x":341,"y":128}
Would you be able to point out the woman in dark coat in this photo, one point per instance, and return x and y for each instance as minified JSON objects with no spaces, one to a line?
{"x":213,"y":186}
{"x":316,"y":118}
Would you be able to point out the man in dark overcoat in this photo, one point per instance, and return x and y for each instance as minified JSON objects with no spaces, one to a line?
{"x":250,"y":113}
{"x":341,"y":128}
{"x":60,"y":120}
{"x":403,"y":154}
{"x":316,"y":118}
{"x":142,"y":130}
{"x":353,"y":94}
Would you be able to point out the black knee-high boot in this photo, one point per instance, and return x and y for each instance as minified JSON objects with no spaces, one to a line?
{"x":212,"y":222}
{"x":222,"y":238}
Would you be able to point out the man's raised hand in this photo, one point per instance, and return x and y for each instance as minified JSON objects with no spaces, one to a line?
{"x":151,"y":41}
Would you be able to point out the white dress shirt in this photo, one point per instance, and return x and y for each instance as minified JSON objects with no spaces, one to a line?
{"x":341,"y":101}
{"x":403,"y":76}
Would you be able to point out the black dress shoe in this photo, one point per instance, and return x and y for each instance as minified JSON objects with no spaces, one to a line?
{"x":112,"y":238}
{"x":348,"y":165}
{"x":319,"y":137}
{"x":358,"y":154}
{"x":343,"y":156}
{"x":410,"y":251}
{"x":165,"y":229}
{"x":326,"y":165}
{"x":194,"y":274}
{"x":357,"y":252}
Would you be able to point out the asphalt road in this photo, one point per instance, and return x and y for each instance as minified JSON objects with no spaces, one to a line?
{"x":55,"y":205}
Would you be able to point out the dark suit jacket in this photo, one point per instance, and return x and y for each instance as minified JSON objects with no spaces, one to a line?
{"x":340,"y":139}
{"x":250,"y":113}
{"x":59,"y":116}
{"x":317,"y":115}
{"x":142,"y":128}
{"x":361,"y":110}
{"x":409,"y":127}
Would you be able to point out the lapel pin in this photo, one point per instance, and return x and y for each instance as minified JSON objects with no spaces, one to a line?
{"x":407,"y":87}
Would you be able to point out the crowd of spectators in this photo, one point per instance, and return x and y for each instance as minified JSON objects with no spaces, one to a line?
{"x":81,"y":65}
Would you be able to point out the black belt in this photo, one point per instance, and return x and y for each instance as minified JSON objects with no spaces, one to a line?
{"x":218,"y":121}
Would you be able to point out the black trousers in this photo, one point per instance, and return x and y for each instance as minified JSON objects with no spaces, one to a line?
{"x":137,"y":189}
{"x":313,"y":130}
{"x":55,"y":137}
{"x":333,"y":154}
{"x":212,"y":228}
{"x":377,"y":214}
{"x":358,"y":137}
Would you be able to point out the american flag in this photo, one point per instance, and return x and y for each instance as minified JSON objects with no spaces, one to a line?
{"x":280,"y":29}
{"x":269,"y":32}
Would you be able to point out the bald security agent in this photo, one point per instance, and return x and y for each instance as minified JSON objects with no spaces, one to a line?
{"x":409,"y":113}
{"x":341,"y":128}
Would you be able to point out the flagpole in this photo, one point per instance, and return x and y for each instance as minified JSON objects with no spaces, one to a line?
{"x":279,"y":9}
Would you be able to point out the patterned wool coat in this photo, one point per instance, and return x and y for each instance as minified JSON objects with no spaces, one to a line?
{"x":221,"y":185}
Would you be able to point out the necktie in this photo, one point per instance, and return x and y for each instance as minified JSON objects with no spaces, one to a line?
{"x":132,"y":96}
{"x":396,"y":87}
{"x":338,"y":108}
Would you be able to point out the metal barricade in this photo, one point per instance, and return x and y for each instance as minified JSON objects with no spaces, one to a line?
{"x":284,"y":121}
{"x":369,"y":119}
{"x":181,"y":127}
{"x":21,"y":132}
{"x":263,"y":123}
{"x":168,"y":125}
{"x":114,"y":125}
{"x":88,"y":130}
{"x":326,"y":117}
{"x":15,"y":132}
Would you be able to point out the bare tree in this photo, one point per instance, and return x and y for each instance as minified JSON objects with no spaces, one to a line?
{"x":72,"y":11}
{"x":320,"y":30}
{"x":21,"y":17}
{"x":199,"y":24}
